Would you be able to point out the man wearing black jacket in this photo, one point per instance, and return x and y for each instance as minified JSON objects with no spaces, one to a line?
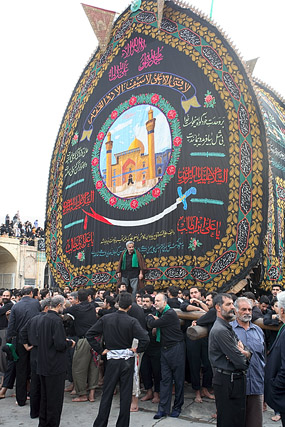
{"x":21,"y":313}
{"x":51,"y":363}
{"x":150,"y":365}
{"x":168,"y":332}
{"x":118,"y":330}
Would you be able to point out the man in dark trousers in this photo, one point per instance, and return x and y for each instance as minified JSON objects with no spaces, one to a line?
{"x":118,"y":330}
{"x":150,"y":365}
{"x":21,"y":313}
{"x":4,"y":308}
{"x":131,"y":268}
{"x":85,"y":369}
{"x":230,"y":360}
{"x":172,"y":360}
{"x":274,"y":383}
{"x":29,"y":338}
{"x":51,"y":363}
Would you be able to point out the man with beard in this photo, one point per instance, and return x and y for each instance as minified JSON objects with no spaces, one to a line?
{"x":229,"y":359}
{"x":51,"y":363}
{"x":252,"y":337}
{"x":131,"y":268}
{"x":4,"y":308}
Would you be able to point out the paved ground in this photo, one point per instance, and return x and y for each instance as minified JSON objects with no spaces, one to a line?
{"x":83,"y":414}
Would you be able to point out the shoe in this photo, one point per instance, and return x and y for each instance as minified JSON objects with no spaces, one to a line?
{"x":175,"y":413}
{"x":159,"y":415}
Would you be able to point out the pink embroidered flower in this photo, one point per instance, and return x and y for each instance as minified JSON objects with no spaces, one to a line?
{"x":112,"y":201}
{"x":133,"y":100}
{"x":155,"y":98}
{"x":95,"y":161}
{"x":99,"y":184}
{"x":79,"y":256}
{"x":171,"y":170}
{"x":171,"y":114}
{"x":114,"y":115}
{"x":209,"y":98}
{"x":177,"y":141}
{"x":134,"y":204}
{"x":156,"y":192}
{"x":100,"y":136}
{"x":75,"y":137}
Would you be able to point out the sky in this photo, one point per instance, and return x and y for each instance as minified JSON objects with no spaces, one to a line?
{"x":44,"y":49}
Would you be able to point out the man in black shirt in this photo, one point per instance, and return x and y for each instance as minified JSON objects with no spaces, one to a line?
{"x":230,"y":361}
{"x":168,"y":332}
{"x":118,"y":330}
{"x":51,"y":363}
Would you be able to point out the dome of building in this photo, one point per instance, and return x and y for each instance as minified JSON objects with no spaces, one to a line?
{"x":137,"y":144}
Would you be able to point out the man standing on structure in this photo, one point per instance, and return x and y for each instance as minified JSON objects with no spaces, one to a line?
{"x":131,"y":268}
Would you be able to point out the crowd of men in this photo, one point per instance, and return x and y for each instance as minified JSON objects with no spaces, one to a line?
{"x":26,"y":231}
{"x":101,"y":338}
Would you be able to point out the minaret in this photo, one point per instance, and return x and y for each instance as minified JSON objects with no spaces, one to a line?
{"x":150,"y":124}
{"x":109,"y":146}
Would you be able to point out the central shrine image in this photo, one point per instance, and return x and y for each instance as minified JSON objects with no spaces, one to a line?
{"x":136,"y":151}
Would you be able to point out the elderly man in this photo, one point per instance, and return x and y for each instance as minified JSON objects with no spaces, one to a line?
{"x":131,"y":268}
{"x":274,"y":384}
{"x":172,"y":360}
{"x":252,"y":337}
{"x":229,"y":359}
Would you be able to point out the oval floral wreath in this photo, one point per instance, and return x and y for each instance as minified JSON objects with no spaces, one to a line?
{"x":176,"y":137}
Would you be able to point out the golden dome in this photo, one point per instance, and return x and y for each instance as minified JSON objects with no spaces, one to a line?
{"x":137,"y":144}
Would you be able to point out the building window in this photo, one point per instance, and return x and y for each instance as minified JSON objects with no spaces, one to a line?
{"x":159,"y":171}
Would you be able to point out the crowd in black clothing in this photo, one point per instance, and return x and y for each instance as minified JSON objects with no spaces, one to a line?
{"x":26,"y":231}
{"x":84,"y":307}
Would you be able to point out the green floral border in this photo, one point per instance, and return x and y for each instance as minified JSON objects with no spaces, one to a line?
{"x":171,"y":115}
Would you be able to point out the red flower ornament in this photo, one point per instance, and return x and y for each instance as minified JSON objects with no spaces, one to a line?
{"x":114,"y":115}
{"x":95,"y":161}
{"x":99,"y":185}
{"x":171,"y":114}
{"x":156,"y":192}
{"x":100,"y":136}
{"x":177,"y":141}
{"x":155,"y":98}
{"x":134,"y":204}
{"x":171,"y":170}
{"x":112,"y":201}
{"x":132,"y":100}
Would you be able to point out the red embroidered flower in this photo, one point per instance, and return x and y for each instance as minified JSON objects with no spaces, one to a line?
{"x":171,"y":114}
{"x":156,"y":192}
{"x":79,"y":256}
{"x":95,"y":161}
{"x":99,"y":184}
{"x":209,"y":98}
{"x":100,"y":136}
{"x":177,"y":141}
{"x":133,"y":100}
{"x":134,"y":204}
{"x":155,"y":98}
{"x":171,"y":170}
{"x":114,"y":115}
{"x":75,"y":137}
{"x":112,"y":201}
